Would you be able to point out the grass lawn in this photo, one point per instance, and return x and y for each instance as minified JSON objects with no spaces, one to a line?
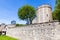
{"x":7,"y":38}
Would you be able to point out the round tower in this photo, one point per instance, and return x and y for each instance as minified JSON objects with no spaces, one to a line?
{"x":44,"y":13}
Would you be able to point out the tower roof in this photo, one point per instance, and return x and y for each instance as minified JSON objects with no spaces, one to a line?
{"x":44,"y":6}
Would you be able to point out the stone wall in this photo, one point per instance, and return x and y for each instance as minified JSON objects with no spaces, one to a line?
{"x":2,"y":27}
{"x":42,"y":31}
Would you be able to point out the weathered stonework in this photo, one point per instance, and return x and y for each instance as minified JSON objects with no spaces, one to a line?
{"x":42,"y":31}
{"x":43,"y":14}
{"x":43,"y":27}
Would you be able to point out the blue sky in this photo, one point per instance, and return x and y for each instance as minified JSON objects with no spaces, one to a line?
{"x":9,"y":9}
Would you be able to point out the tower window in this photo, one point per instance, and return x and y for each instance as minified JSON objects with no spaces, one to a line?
{"x":47,"y":15}
{"x":49,"y":20}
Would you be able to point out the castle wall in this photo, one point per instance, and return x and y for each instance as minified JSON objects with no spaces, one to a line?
{"x":42,"y":31}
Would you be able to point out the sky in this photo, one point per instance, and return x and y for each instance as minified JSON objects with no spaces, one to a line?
{"x":9,"y":9}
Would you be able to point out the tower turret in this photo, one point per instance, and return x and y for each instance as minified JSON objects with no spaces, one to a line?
{"x":44,"y":13}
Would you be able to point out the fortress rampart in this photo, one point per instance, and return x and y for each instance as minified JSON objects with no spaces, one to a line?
{"x":40,"y":31}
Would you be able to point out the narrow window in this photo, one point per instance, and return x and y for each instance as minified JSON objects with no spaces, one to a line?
{"x":47,"y":15}
{"x":49,"y":20}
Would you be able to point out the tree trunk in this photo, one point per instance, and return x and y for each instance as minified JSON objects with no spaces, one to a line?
{"x":28,"y":21}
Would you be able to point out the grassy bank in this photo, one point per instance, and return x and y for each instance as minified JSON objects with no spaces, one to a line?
{"x":6,"y":38}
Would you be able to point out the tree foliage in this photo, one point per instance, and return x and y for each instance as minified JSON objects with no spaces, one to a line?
{"x":56,"y":12}
{"x":20,"y":25}
{"x":26,"y":13}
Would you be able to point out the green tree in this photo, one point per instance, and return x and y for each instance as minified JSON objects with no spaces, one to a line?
{"x":56,"y":12}
{"x":27,"y":13}
{"x":17,"y":24}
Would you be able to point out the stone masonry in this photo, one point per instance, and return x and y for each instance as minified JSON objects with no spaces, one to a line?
{"x":40,"y":31}
{"x":43,"y":28}
{"x":43,"y":14}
